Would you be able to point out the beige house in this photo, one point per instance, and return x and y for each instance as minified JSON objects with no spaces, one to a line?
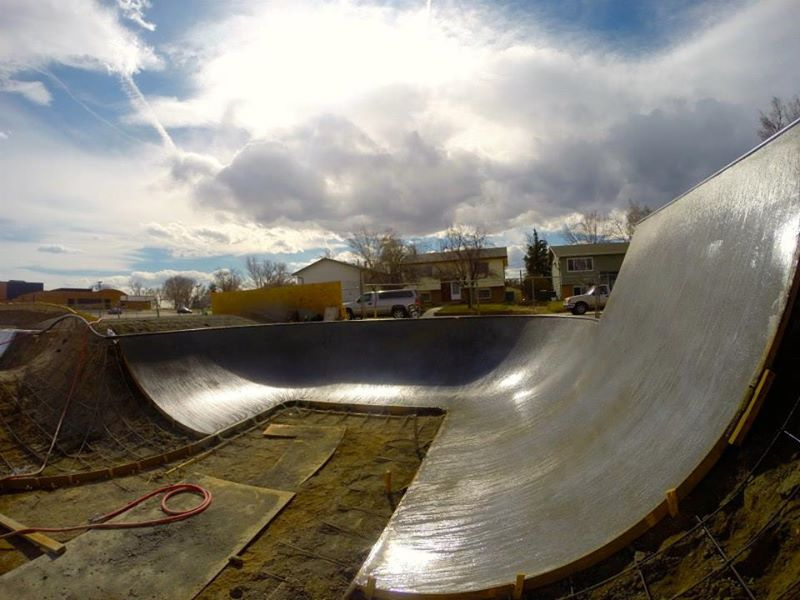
{"x":437,"y":276}
{"x":578,"y":267}
{"x":440,"y":280}
{"x":326,"y":270}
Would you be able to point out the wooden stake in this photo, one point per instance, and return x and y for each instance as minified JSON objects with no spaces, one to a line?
{"x":387,"y":480}
{"x":370,"y":590}
{"x":519,"y":585}
{"x":44,"y":542}
{"x":672,"y":503}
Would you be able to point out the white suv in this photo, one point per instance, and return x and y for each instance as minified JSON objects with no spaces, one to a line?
{"x":397,"y":303}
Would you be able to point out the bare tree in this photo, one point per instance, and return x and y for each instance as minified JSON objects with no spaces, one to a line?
{"x":178,"y":289}
{"x":635,"y":213}
{"x":466,"y":245}
{"x":136,"y":286}
{"x":266,"y":273}
{"x":228,"y":280}
{"x":157,"y":294}
{"x":201,"y":295}
{"x":597,"y":228}
{"x":780,"y":115}
{"x":385,"y":254}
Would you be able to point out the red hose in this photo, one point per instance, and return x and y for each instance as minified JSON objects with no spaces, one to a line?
{"x":172,"y":515}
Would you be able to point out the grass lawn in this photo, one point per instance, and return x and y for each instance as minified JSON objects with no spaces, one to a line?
{"x":502,"y":309}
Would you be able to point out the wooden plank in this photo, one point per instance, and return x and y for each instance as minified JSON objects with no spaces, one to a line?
{"x":46,"y":543}
{"x":310,"y":449}
{"x":749,"y":416}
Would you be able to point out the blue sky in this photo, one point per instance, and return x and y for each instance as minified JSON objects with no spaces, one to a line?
{"x":146,"y":138}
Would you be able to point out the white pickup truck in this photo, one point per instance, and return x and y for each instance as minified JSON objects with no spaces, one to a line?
{"x":597,"y":295}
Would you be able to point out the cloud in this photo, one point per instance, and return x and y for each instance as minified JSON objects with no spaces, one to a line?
{"x":58,"y":249}
{"x":481,"y":120}
{"x":81,"y":33}
{"x":35,"y":91}
{"x":233,"y":236}
{"x":134,"y":10}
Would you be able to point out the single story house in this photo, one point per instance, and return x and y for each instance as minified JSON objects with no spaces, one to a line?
{"x":577,"y":267}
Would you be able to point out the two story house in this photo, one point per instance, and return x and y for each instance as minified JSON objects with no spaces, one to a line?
{"x":438,"y":276}
{"x":578,"y":267}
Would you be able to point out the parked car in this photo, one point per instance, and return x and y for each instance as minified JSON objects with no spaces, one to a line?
{"x":115,"y":310}
{"x":597,"y":295}
{"x":182,"y":310}
{"x":399,"y":304}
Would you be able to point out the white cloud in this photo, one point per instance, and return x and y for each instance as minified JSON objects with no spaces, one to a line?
{"x":77,"y":33}
{"x":134,"y":10}
{"x":57,"y":249}
{"x":232,"y":236}
{"x":35,"y":91}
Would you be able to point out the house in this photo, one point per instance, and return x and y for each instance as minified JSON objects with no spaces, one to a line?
{"x":326,"y":270}
{"x":578,"y":267}
{"x":439,"y":277}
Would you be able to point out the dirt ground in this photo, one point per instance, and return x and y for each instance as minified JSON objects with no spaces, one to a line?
{"x":750,"y":502}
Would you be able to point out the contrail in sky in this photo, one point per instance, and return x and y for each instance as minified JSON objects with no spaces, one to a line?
{"x":85,"y":106}
{"x":136,"y":97}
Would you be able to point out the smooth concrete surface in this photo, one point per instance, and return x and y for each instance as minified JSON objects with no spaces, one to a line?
{"x":562,"y":435}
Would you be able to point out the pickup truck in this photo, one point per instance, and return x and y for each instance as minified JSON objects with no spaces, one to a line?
{"x":597,"y":294}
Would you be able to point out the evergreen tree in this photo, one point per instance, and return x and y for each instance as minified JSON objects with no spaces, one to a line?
{"x":537,"y":259}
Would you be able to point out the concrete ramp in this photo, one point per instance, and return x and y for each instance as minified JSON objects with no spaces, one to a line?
{"x":563,"y":435}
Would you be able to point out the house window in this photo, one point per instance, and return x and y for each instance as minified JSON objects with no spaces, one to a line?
{"x":482,"y":269}
{"x":425,"y":271}
{"x":580,"y":264}
{"x":425,"y":297}
{"x":577,"y":290}
{"x":484,"y":294}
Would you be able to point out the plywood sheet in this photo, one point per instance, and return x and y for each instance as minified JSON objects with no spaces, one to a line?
{"x":170,"y":562}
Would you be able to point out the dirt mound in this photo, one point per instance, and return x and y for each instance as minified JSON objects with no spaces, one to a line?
{"x":29,"y":316}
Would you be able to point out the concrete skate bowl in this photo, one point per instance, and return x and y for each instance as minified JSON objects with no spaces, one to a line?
{"x":563,"y":436}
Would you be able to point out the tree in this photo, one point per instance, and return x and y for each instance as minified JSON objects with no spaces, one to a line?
{"x":385,"y":254}
{"x":635,"y":213}
{"x":467,"y":245}
{"x":157,"y":294}
{"x":178,"y":289}
{"x":201,"y":295}
{"x":780,"y":115}
{"x":266,"y":273}
{"x":228,"y":280}
{"x":537,"y":256}
{"x":595,"y":228}
{"x":136,"y":286}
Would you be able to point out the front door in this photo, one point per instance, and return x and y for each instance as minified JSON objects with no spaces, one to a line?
{"x":455,"y":290}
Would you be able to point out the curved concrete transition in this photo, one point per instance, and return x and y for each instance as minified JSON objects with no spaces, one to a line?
{"x":562,"y":435}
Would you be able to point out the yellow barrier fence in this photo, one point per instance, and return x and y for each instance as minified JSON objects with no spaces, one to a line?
{"x":275,"y":304}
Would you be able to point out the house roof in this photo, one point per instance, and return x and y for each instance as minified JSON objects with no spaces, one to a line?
{"x":433,"y":257}
{"x":589,"y":249}
{"x":316,"y":262}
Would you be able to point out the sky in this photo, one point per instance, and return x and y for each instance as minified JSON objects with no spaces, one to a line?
{"x":146,"y":138}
